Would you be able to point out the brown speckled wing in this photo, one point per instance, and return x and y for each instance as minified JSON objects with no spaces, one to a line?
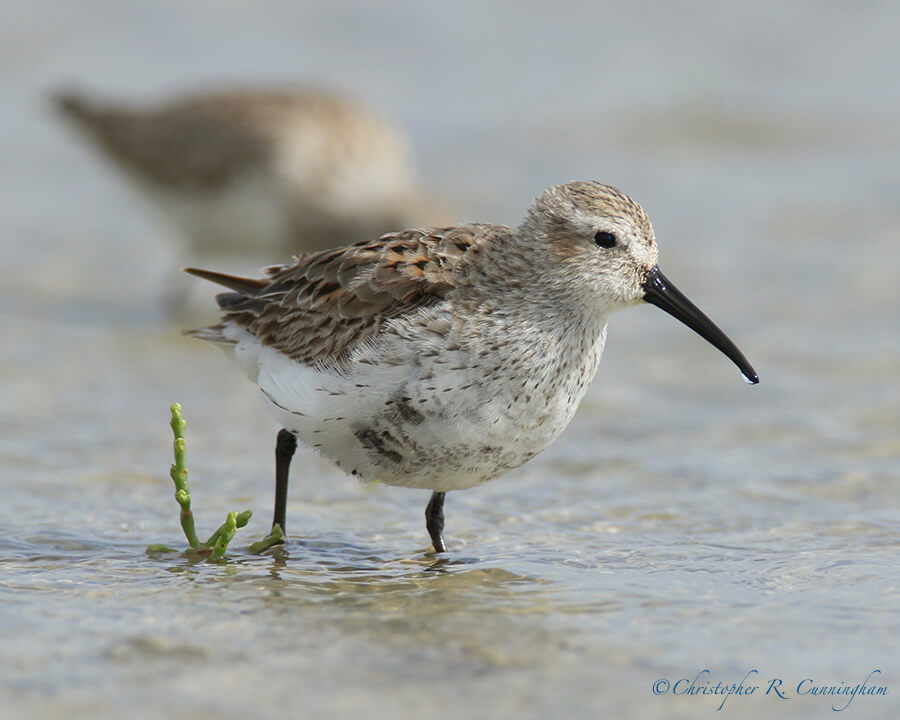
{"x":321,"y":307}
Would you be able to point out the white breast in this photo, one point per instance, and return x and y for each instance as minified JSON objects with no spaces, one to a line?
{"x":408,"y":411}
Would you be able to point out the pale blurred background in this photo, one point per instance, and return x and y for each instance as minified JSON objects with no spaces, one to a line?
{"x":684,"y":521}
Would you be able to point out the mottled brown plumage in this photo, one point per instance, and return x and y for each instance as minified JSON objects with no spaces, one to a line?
{"x":326,"y":303}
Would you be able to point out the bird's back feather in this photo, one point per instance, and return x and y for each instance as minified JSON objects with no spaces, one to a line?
{"x":324,"y":304}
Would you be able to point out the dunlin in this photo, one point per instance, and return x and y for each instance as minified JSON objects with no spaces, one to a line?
{"x":442,"y":358}
{"x":283,"y":171}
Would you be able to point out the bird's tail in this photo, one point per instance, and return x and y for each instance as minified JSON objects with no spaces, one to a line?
{"x":214,"y":334}
{"x":244,"y":290}
{"x":78,"y":108}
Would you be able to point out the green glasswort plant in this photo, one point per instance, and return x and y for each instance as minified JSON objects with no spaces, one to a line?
{"x":215,"y":546}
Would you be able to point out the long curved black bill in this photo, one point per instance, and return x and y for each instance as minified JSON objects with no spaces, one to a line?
{"x":660,"y":292}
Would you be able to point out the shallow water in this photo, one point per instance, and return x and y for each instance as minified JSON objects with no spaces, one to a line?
{"x":683,"y":522}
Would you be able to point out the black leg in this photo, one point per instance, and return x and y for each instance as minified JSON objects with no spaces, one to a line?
{"x":434,"y":521}
{"x":285,"y":446}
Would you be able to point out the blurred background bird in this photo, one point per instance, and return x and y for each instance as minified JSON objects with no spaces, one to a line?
{"x":258,"y":172}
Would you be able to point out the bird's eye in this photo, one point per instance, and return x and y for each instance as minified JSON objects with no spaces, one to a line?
{"x":605,"y":239}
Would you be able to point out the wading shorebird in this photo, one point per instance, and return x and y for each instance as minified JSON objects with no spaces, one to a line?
{"x":442,"y":358}
{"x":255,"y":169}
